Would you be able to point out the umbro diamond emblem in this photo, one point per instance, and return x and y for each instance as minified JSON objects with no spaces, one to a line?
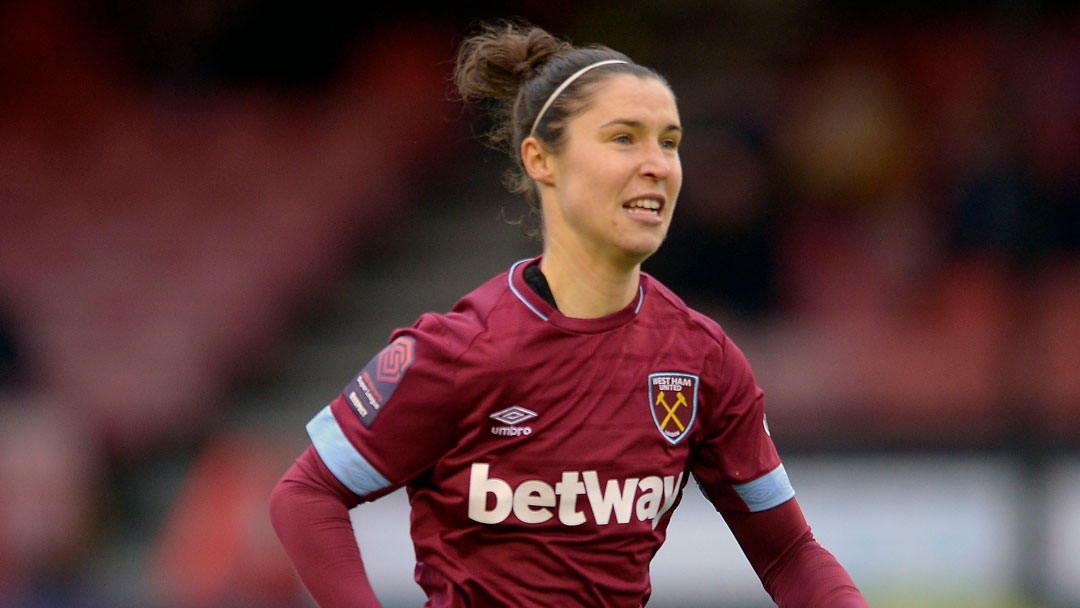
{"x":510,"y":417}
{"x":514,"y":415}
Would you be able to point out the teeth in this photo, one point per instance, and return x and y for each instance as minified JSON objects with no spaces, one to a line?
{"x":643,"y":205}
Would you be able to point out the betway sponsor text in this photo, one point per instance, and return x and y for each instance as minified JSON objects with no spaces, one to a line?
{"x":535,"y":501}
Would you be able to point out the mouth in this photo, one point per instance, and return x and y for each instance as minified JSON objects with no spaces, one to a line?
{"x":645,"y":206}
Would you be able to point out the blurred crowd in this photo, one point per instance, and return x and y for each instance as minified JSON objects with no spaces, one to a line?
{"x":881,"y":206}
{"x":892,"y":203}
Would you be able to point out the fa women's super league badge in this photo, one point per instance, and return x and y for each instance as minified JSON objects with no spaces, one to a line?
{"x":372,"y":387}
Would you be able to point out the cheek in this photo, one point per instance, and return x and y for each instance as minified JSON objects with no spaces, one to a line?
{"x":675,"y":183}
{"x":592,"y":183}
{"x":598,"y":165}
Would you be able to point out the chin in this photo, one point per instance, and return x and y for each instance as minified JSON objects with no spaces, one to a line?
{"x":639,"y":252}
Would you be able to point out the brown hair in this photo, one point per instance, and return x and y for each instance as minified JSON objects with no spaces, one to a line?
{"x":516,"y":66}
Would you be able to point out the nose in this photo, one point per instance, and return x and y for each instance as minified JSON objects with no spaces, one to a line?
{"x":655,"y":163}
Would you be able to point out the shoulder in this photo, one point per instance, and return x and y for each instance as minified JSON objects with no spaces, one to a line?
{"x":723,"y":363}
{"x":673,"y":308}
{"x":453,"y":332}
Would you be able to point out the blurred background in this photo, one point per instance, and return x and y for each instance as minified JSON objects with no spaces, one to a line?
{"x":213,"y":213}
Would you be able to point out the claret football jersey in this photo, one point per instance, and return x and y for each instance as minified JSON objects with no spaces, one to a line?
{"x":544,"y":455}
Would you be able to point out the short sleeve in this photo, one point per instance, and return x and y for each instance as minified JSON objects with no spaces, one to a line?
{"x":736,"y":462}
{"x":396,"y":417}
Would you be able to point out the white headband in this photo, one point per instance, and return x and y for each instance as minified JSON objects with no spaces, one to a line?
{"x":562,"y":87}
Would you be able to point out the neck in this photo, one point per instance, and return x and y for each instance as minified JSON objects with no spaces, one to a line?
{"x":589,"y":286}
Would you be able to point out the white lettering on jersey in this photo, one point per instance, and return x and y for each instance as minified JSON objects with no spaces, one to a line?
{"x":533,"y":500}
{"x":479,"y":487}
{"x":530,"y":501}
{"x":652,"y":491}
{"x":602,"y":504}
{"x":568,"y":490}
{"x":670,"y":488}
{"x":356,"y":403}
{"x":367,"y":391}
{"x":511,"y":431}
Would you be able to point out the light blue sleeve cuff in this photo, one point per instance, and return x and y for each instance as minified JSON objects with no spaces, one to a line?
{"x":771,"y":490}
{"x":339,"y":455}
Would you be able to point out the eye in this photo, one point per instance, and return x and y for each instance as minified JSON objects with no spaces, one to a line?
{"x":669,"y":144}
{"x":623,"y":139}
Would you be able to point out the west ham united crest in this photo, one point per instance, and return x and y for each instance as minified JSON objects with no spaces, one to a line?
{"x":673,"y":398}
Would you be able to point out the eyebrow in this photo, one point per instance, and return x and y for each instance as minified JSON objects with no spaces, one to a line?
{"x":637,"y":124}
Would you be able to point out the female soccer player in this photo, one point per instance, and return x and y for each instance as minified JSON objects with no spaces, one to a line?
{"x":545,"y":428}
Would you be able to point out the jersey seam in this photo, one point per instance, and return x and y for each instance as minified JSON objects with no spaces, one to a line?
{"x":484,"y":327}
{"x":684,"y":311}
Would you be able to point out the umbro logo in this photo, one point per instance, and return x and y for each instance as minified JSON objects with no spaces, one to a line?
{"x":511,"y":417}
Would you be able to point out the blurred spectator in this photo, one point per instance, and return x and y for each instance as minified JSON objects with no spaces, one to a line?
{"x":916,"y":177}
{"x":157,"y":247}
{"x":49,"y":507}
{"x":720,"y":249}
{"x":217,"y":547}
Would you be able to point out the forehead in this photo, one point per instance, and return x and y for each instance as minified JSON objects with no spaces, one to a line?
{"x":630,"y":97}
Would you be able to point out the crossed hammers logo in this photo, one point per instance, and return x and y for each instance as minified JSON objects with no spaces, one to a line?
{"x":671,"y":411}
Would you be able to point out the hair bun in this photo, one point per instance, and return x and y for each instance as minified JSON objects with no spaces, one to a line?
{"x":513,"y":69}
{"x":495,"y":62}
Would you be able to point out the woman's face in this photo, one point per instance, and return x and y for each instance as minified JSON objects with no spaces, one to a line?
{"x":613,"y":186}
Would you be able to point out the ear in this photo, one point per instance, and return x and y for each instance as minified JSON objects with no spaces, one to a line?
{"x":539,"y":163}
